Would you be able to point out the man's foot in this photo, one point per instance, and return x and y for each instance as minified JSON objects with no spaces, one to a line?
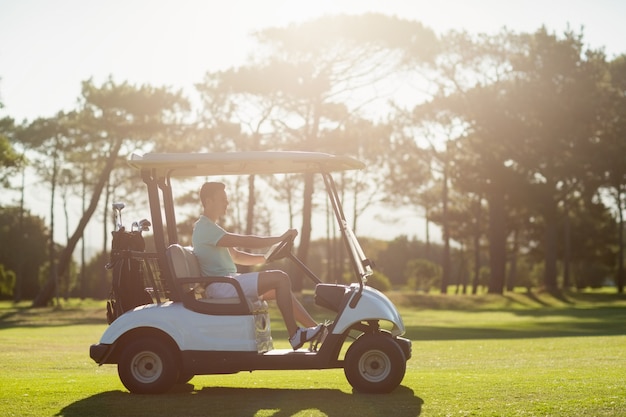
{"x":315,"y":343}
{"x":303,"y":335}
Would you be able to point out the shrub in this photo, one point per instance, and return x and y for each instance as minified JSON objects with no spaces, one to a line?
{"x":379,"y":281}
{"x":7,"y":282}
{"x":422,"y":274}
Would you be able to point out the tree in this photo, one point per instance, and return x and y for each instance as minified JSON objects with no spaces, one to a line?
{"x":525,"y":107}
{"x":10,"y":160}
{"x":609,"y":158}
{"x":27,"y":235}
{"x":466,"y":72}
{"x":560,"y":90}
{"x":307,"y":81}
{"x":422,"y":274}
{"x":7,"y":282}
{"x":111,"y":117}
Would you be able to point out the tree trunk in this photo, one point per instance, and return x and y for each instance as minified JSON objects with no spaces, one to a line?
{"x":445,"y":276}
{"x":567,"y":254}
{"x":512,"y":278}
{"x":620,"y":237}
{"x":427,"y":234}
{"x":476,"y":243}
{"x":497,"y":242}
{"x":47,"y":292}
{"x":476,"y":279}
{"x":550,"y":241}
{"x":83,"y":196}
{"x":19,"y":276}
{"x":104,"y":286}
{"x":53,"y":275}
{"x":251,"y":202}
{"x":250,"y":229}
{"x":305,"y":235}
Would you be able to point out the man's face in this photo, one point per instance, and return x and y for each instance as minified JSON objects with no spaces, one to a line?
{"x":219,"y":202}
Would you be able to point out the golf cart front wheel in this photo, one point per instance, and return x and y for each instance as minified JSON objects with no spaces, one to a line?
{"x":374,"y":363}
{"x":147,"y":366}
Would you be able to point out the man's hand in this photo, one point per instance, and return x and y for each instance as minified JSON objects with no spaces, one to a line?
{"x":233,"y":240}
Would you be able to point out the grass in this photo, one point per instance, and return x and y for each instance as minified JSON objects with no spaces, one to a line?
{"x":519,"y":355}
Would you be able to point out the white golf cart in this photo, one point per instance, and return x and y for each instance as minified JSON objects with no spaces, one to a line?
{"x":179,"y":332}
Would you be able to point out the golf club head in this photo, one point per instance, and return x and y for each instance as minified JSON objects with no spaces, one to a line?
{"x":144,"y":225}
{"x":117,"y":214}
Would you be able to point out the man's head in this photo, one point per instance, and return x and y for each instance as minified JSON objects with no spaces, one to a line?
{"x":213,"y":198}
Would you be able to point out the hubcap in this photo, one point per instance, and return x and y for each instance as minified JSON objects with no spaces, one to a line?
{"x":146,"y":367}
{"x":374,"y":366}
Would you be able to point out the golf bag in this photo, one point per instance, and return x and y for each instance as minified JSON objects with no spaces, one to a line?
{"x":127,"y":286}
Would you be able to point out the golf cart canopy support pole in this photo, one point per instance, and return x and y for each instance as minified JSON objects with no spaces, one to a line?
{"x":165,"y":184}
{"x":149,"y":179}
{"x":343,"y":224}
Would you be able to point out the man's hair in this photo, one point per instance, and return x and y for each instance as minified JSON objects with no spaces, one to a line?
{"x":209,"y":189}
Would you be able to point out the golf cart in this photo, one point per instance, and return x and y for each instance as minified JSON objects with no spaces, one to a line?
{"x":173,"y":331}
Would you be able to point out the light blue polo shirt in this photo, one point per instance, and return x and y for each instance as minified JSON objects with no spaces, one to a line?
{"x":214,"y":260}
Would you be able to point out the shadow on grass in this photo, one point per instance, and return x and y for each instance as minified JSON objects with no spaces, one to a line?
{"x":243,"y":402}
{"x":28,"y":317}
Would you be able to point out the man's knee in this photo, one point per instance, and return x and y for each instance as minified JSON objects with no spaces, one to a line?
{"x":274,"y":280}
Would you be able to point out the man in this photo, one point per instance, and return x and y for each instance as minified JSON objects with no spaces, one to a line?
{"x":217,"y":255}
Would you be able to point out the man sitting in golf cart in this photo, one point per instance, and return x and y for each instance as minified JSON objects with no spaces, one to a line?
{"x":217,"y":255}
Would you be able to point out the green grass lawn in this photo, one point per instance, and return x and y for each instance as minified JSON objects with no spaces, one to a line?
{"x":516,"y":355}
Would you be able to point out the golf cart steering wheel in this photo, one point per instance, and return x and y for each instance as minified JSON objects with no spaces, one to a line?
{"x":280,"y":250}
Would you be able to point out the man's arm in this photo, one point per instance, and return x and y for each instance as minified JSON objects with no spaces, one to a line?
{"x":245,"y":258}
{"x":232,"y":240}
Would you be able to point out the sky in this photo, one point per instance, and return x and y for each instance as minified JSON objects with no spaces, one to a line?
{"x":48,"y":47}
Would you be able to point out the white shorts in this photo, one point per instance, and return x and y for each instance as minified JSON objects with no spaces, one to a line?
{"x":249,"y":283}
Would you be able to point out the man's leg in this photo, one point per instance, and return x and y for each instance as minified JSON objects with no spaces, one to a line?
{"x":280,"y":283}
{"x":301,"y":315}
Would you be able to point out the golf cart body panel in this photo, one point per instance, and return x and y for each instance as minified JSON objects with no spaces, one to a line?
{"x":182,"y":333}
{"x":373,"y":305}
{"x":195,"y":331}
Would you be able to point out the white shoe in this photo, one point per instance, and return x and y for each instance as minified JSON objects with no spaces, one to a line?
{"x":315,"y":343}
{"x":303,"y":335}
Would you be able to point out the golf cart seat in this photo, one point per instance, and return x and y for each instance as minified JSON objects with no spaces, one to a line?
{"x":187,"y":275}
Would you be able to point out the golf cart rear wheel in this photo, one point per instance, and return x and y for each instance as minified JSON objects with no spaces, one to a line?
{"x":374,"y":363}
{"x":147,"y":366}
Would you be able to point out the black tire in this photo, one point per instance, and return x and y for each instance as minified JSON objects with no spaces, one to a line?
{"x":374,"y":364}
{"x":148,"y":366}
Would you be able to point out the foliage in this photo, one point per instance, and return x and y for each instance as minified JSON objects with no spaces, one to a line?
{"x":7,"y":282}
{"x":519,"y":115}
{"x":422,"y":274}
{"x":27,"y":250}
{"x":379,"y":281}
{"x":592,"y":275}
{"x":111,"y":117}
{"x":393,"y":260}
{"x":10,"y":159}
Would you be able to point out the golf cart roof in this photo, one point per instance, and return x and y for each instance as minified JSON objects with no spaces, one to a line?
{"x":241,"y":163}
